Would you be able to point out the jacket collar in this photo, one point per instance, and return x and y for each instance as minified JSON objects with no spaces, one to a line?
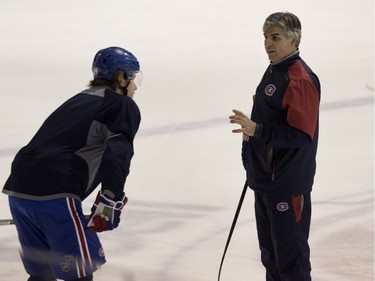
{"x":288,"y":60}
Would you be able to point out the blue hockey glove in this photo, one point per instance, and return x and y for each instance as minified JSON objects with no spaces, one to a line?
{"x":105,"y":213}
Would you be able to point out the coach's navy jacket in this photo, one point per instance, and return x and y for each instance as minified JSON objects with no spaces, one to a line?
{"x":87,"y":141}
{"x":280,"y":157}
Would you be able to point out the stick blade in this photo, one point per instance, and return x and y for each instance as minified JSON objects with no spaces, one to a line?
{"x":370,"y":85}
{"x":6,"y":221}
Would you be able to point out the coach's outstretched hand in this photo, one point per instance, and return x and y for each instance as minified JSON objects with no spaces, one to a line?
{"x":105,"y":213}
{"x":247,"y":126}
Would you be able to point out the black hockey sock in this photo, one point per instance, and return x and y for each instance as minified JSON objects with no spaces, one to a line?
{"x":41,"y":278}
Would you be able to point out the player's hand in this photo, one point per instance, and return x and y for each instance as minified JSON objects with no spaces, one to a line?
{"x":247,"y":126}
{"x":105,"y":213}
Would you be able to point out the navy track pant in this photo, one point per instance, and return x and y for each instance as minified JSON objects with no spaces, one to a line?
{"x":283,"y":225}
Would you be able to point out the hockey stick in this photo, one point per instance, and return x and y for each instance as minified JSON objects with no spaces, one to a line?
{"x":232,"y":227}
{"x":10,"y":221}
{"x":6,"y":221}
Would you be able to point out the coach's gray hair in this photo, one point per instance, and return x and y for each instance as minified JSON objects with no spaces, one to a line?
{"x":288,"y":22}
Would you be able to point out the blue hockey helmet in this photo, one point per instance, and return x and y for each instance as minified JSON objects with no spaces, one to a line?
{"x":109,"y":60}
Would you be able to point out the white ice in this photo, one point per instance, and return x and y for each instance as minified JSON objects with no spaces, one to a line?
{"x":200,"y":59}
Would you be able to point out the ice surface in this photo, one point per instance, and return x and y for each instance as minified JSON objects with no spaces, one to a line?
{"x":200,"y":59}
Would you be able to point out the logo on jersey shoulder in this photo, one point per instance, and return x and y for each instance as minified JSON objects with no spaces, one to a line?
{"x":282,"y":206}
{"x":270,"y":90}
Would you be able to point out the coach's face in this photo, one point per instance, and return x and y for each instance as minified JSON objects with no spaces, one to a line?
{"x":277,"y":45}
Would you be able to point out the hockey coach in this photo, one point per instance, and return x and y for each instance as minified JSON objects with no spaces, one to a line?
{"x":279,"y":148}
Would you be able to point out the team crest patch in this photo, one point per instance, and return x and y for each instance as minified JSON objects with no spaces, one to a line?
{"x":282,"y":206}
{"x":270,"y":90}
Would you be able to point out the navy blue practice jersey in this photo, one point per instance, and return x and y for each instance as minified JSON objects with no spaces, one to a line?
{"x":88,"y":140}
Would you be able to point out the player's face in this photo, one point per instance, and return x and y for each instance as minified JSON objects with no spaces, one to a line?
{"x":125,"y":86}
{"x":136,"y":81}
{"x":132,"y":87}
{"x":277,"y":45}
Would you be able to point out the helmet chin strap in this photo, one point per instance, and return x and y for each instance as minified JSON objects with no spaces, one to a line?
{"x":125,"y":89}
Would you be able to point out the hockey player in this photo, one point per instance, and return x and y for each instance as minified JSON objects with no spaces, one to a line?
{"x":85,"y":142}
{"x":279,"y":149}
